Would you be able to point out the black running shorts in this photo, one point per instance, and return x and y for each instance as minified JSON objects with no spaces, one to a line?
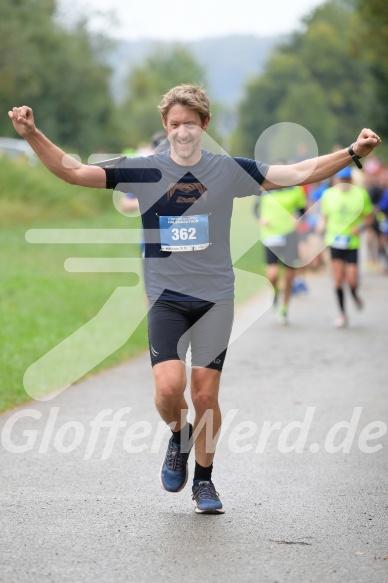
{"x":347,"y":255}
{"x":287,"y":255}
{"x":205,"y":326}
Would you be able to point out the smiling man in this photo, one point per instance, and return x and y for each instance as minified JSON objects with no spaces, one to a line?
{"x":186,"y":200}
{"x":184,"y":128}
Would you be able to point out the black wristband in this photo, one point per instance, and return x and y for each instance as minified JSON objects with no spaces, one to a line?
{"x":355,"y":158}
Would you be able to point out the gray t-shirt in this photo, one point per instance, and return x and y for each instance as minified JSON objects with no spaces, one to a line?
{"x":186,"y":213}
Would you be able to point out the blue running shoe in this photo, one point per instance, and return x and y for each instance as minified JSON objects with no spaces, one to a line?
{"x":206,"y":498}
{"x":174,"y":471}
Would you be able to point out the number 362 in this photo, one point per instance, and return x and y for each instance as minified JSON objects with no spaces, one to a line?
{"x":183,"y":234}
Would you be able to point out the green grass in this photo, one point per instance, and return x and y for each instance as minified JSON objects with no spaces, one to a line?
{"x":41,"y":304}
{"x":31,"y":195}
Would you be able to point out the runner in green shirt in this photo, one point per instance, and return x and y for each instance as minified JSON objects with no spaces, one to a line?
{"x":278,"y":211}
{"x":346,"y":210}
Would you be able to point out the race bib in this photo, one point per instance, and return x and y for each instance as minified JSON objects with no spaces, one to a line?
{"x":186,"y":233}
{"x":341,"y":242}
{"x":275,"y":241}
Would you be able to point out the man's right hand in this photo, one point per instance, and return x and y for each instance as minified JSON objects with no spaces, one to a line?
{"x":23,"y":120}
{"x":55,"y":159}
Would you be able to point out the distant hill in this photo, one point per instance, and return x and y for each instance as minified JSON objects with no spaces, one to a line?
{"x":229,"y":62}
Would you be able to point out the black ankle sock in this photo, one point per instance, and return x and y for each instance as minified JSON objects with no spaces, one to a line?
{"x":202,"y":473}
{"x":179,"y":436}
{"x":340,"y":296}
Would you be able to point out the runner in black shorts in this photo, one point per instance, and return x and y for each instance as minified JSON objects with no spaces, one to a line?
{"x":186,"y":200}
{"x":205,"y":326}
{"x":346,"y":210}
{"x":277,"y":212}
{"x":287,"y":255}
{"x":345,"y":255}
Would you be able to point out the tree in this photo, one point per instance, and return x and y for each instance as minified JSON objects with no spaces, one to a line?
{"x":306,"y":105}
{"x":371,"y":43}
{"x":264,"y":95}
{"x":345,"y":81}
{"x":312,"y":80}
{"x":58,"y":72}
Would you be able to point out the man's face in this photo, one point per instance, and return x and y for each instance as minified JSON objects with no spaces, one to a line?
{"x":184,"y":129}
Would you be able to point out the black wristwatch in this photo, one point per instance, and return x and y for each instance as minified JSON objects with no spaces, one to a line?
{"x":356,"y":159}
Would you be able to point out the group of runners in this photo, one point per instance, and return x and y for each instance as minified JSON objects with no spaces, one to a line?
{"x":343,"y":210}
{"x":186,"y":197}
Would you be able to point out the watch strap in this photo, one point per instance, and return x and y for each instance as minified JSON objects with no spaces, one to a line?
{"x":355,"y":158}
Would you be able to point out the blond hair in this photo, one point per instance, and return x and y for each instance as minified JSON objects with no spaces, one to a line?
{"x":190,"y":96}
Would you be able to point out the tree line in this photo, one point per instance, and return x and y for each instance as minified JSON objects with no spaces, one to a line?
{"x":331,"y":77}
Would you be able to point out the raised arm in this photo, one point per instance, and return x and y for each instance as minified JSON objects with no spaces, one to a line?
{"x":57,"y":161}
{"x":317,"y":169}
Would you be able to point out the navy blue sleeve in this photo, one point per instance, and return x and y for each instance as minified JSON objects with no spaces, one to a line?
{"x":123,"y":171}
{"x":110,"y":168}
{"x":252,"y":175}
{"x":258,"y":170}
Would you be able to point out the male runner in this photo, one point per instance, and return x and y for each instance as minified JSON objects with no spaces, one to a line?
{"x":186,"y":198}
{"x":277,"y":212}
{"x":346,"y":210}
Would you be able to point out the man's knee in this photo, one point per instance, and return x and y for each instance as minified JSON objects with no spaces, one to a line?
{"x":204,"y":389}
{"x":204,"y":401}
{"x":170,"y":381}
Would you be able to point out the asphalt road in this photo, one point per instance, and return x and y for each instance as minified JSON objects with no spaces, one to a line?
{"x":305,"y":503}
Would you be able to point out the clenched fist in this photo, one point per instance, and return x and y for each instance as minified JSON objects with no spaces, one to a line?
{"x":23,"y":120}
{"x":366,"y":142}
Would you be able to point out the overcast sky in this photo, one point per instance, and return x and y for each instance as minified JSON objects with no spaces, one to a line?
{"x":180,"y":20}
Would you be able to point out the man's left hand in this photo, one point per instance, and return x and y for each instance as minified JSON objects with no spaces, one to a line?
{"x":366,"y":142}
